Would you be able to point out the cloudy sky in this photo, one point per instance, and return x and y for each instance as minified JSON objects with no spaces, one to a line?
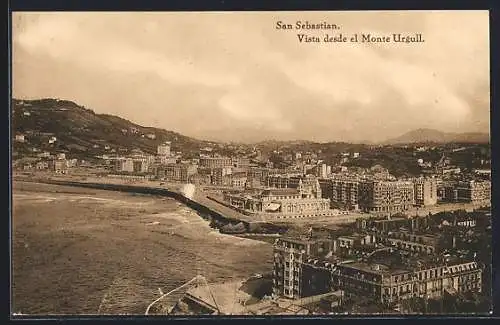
{"x":234,"y":76}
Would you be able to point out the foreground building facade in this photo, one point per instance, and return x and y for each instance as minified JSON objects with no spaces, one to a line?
{"x":305,"y":267}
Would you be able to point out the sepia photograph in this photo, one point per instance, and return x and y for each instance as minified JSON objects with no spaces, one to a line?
{"x":263,"y":163}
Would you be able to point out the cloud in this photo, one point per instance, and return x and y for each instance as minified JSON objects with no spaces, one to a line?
{"x":235,"y":70}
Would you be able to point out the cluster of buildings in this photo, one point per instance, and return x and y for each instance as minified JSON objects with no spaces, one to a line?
{"x":368,"y":194}
{"x":254,"y":188}
{"x":307,"y":190}
{"x":45,"y":161}
{"x":303,"y":201}
{"x":386,"y":261}
{"x":475,"y":191}
{"x":389,"y":196}
{"x":141,"y":163}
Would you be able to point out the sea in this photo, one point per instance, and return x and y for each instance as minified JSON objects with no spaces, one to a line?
{"x":78,"y":251}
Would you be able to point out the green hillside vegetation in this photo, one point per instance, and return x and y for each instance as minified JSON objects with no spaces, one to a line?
{"x":81,"y":131}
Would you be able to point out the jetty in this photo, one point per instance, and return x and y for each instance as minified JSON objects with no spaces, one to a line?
{"x":197,"y":201}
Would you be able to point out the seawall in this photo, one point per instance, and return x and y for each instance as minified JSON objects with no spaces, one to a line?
{"x":217,"y":218}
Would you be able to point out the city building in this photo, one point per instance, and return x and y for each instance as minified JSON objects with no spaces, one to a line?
{"x":216,"y":162}
{"x":44,"y":154}
{"x":164,"y":149}
{"x":425,"y":190}
{"x":200,"y":179}
{"x":393,"y":223}
{"x":347,"y":244}
{"x":389,"y":284}
{"x":305,"y":201}
{"x":166,"y":159}
{"x":292,"y":278}
{"x":478,"y":192}
{"x":474,"y":191}
{"x":304,"y":267}
{"x":241,"y":162}
{"x":322,"y":171}
{"x":385,"y":197}
{"x":342,"y":192}
{"x":413,"y":241}
{"x":256,"y":177}
{"x":20,"y":138}
{"x":131,"y":165}
{"x":239,"y":180}
{"x":221,"y":176}
{"x":42,"y":165}
{"x":58,"y":166}
{"x":177,"y":172}
{"x":284,"y":181}
{"x":124,"y":165}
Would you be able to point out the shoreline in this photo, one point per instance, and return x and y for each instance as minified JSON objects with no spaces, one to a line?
{"x":213,"y":224}
{"x":219,"y":216}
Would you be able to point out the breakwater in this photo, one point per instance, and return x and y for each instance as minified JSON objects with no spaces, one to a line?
{"x":207,"y":210}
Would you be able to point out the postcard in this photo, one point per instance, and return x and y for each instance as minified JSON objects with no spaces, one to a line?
{"x":311,"y":163}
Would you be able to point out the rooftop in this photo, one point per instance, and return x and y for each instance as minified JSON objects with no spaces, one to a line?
{"x":222,"y":296}
{"x":280,"y":191}
{"x":304,"y":239}
{"x":377,"y":268}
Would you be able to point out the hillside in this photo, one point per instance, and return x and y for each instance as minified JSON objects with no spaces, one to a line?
{"x":81,"y":131}
{"x":435,"y":136}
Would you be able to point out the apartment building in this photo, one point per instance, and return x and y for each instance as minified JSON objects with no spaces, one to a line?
{"x":216,"y":162}
{"x":425,"y":191}
{"x":413,"y":242}
{"x":473,"y":191}
{"x":284,"y":181}
{"x":342,"y":192}
{"x":391,"y":284}
{"x":302,"y":268}
{"x":163,"y":149}
{"x":179,"y":172}
{"x":385,"y":197}
{"x":291,"y":277}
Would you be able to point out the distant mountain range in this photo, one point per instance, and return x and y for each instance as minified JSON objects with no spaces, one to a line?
{"x":80,"y":130}
{"x":435,"y":136}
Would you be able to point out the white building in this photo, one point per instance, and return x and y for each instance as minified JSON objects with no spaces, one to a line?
{"x":164,"y":149}
{"x":20,"y":138}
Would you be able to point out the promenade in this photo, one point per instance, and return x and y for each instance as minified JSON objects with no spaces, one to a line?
{"x":205,"y":200}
